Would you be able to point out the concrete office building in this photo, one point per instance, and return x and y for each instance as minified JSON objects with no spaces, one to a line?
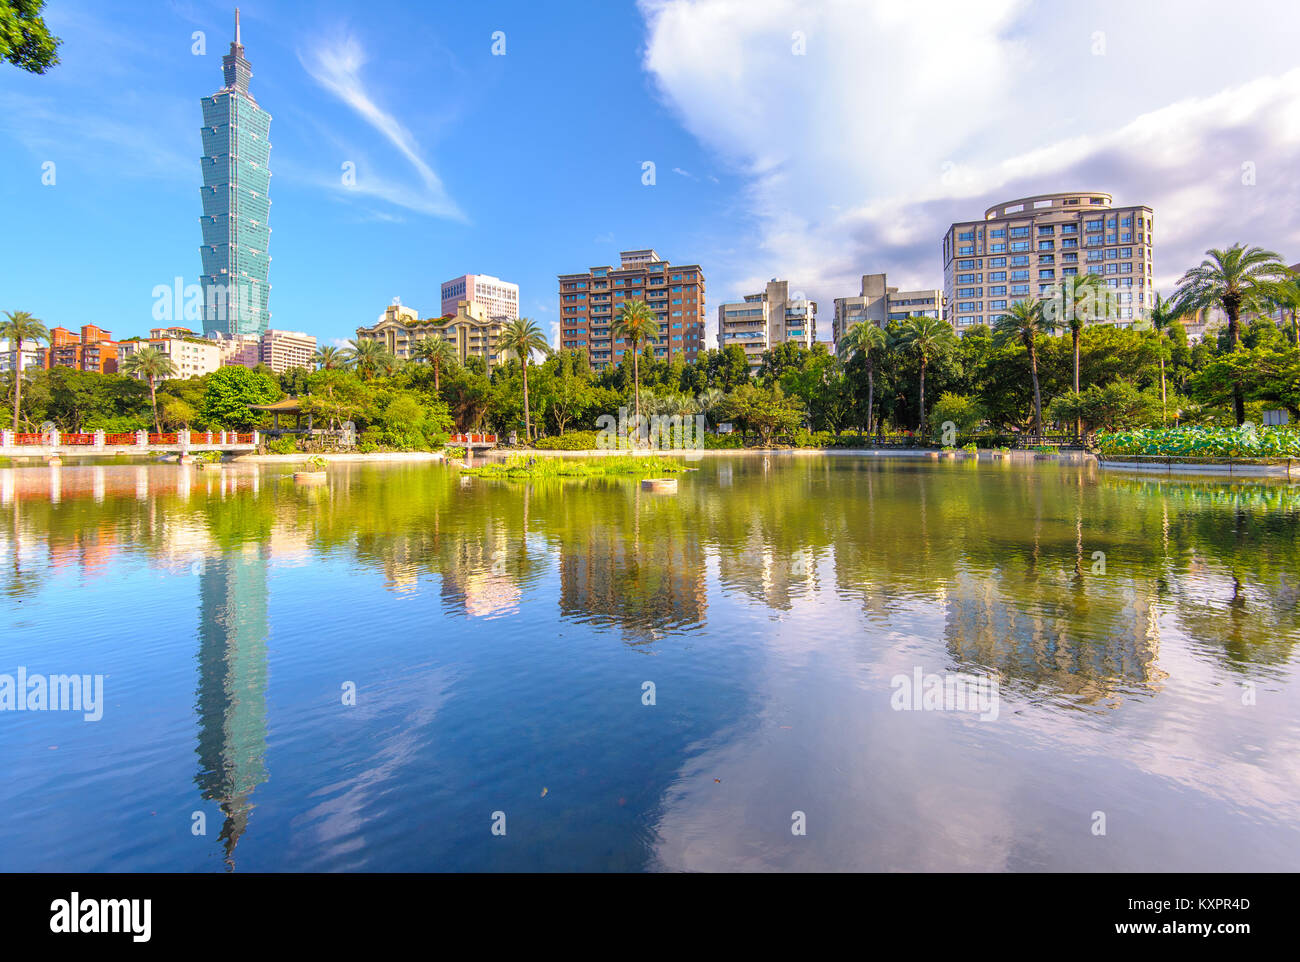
{"x":589,"y":303}
{"x":499,"y":298}
{"x":1024,"y":248}
{"x":878,"y":303}
{"x":282,"y":350}
{"x":766,"y":319}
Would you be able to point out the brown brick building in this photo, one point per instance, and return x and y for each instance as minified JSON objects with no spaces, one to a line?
{"x":590,"y":302}
{"x":91,"y":350}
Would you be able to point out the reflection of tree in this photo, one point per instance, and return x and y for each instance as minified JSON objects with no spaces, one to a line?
{"x":231,"y":698}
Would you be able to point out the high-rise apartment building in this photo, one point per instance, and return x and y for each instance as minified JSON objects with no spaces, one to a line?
{"x":11,"y":358}
{"x":91,"y":350}
{"x":282,"y":350}
{"x":499,"y":298}
{"x":590,"y":301}
{"x":878,"y":303}
{"x":236,"y":206}
{"x":1025,"y":248}
{"x":766,"y":319}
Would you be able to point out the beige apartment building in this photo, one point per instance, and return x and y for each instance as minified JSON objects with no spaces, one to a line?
{"x":282,"y":350}
{"x":766,"y":319}
{"x":878,"y":303}
{"x":471,"y":331}
{"x":1024,"y":248}
{"x":193,"y":355}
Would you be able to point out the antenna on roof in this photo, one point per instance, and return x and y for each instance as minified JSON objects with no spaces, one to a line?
{"x":237,"y":27}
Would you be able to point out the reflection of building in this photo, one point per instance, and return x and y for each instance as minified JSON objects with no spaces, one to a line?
{"x":768,"y":575}
{"x":478,"y":579}
{"x":470,"y":331}
{"x":231,"y":706}
{"x":646,"y":583}
{"x":1089,"y":642}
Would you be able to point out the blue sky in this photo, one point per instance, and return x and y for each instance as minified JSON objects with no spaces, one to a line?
{"x":810,"y":140}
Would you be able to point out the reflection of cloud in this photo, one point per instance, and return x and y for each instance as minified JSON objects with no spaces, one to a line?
{"x":336,"y":66}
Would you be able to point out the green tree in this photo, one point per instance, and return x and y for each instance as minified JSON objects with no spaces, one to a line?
{"x":1238,"y":280}
{"x":521,"y":338}
{"x":368,"y":358}
{"x":925,"y":337}
{"x":329,"y":358}
{"x":1163,"y":316}
{"x":25,"y":41}
{"x":1285,"y":294}
{"x":636,"y":325}
{"x":1024,"y":322}
{"x":438,"y":353}
{"x":765,"y":408}
{"x":152,"y":365}
{"x":229,"y":391}
{"x":19,"y":327}
{"x":866,"y":340}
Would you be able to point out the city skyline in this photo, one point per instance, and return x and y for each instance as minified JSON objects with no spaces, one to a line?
{"x":1205,"y":151}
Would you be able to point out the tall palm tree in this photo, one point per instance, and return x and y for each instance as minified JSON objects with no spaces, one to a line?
{"x":330,"y":358}
{"x":20,"y":327}
{"x":636,"y":323}
{"x":926,"y":336}
{"x":1084,"y":292}
{"x":1024,"y":321}
{"x":1163,"y":313}
{"x":1238,"y":280}
{"x":152,"y":365}
{"x":866,"y":339}
{"x":437,"y":353}
{"x":521,"y":338}
{"x":367,"y":357}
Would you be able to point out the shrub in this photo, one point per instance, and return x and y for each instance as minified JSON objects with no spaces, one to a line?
{"x":282,"y":446}
{"x":569,"y":441}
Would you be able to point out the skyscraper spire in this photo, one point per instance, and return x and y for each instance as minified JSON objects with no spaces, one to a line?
{"x":237,"y":70}
{"x":237,"y":43}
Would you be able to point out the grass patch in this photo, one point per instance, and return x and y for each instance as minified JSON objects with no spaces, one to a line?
{"x":522,"y":466}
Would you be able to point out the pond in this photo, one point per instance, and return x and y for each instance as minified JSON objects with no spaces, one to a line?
{"x":793,"y":663}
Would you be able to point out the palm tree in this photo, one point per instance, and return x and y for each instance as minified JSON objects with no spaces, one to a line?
{"x":635,"y":323}
{"x":521,"y":337}
{"x":20,"y":327}
{"x":1163,"y":313}
{"x":152,"y":365}
{"x":1238,"y":280}
{"x":1085,"y":292}
{"x":865,"y":339}
{"x":437,"y":353}
{"x":1025,"y":321}
{"x":1286,"y":295}
{"x":330,"y":358}
{"x":367,"y":357}
{"x":927,"y":336}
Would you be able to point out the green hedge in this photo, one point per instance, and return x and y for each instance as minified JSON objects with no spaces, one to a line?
{"x":569,"y":441}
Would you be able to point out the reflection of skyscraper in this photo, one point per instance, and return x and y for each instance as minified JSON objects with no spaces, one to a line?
{"x":232,"y":685}
{"x":236,"y":206}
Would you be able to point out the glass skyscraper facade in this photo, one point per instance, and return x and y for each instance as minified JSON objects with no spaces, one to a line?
{"x":236,"y":206}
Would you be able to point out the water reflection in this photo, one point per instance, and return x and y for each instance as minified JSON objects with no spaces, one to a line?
{"x":811,"y":580}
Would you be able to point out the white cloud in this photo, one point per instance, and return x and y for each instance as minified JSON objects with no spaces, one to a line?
{"x":336,"y":66}
{"x":903,"y":117}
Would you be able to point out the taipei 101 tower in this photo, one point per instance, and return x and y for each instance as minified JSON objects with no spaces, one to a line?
{"x":236,"y":206}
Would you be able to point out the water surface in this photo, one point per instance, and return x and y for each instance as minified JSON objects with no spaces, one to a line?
{"x":499,"y":636}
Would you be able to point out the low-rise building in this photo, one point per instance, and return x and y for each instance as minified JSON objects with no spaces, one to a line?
{"x":192,"y":355}
{"x":470,"y":330}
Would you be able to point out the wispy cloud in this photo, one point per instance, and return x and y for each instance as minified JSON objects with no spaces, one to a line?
{"x":336,"y":66}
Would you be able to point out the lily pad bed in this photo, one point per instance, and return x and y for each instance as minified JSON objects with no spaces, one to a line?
{"x":522,"y":467}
